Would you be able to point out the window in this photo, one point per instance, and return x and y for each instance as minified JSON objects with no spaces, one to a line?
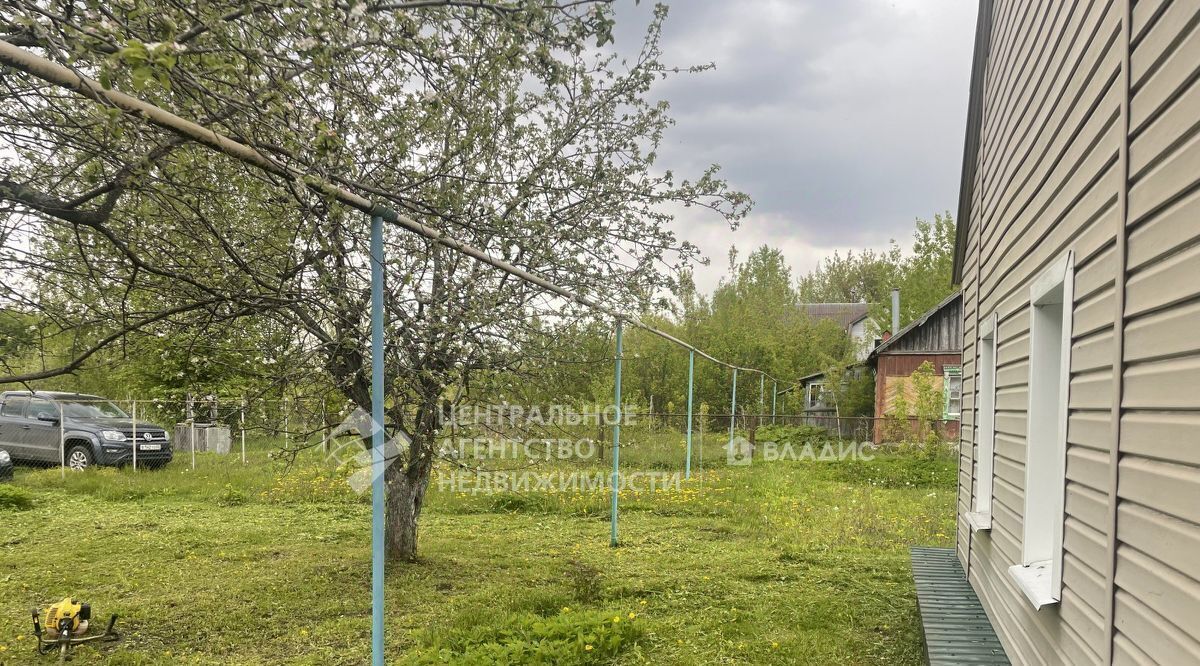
{"x":815,"y":399}
{"x":41,"y":407}
{"x":14,"y":406}
{"x":1040,"y":573}
{"x":980,"y":516}
{"x":951,"y":392}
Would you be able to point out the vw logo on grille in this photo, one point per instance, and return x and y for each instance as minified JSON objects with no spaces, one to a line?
{"x":147,"y":436}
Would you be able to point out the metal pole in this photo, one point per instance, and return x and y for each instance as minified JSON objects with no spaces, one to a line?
{"x":242,"y":422}
{"x":134,"y":443}
{"x":762,"y":399}
{"x":192,"y":428}
{"x":732,"y":409}
{"x":62,"y":443}
{"x":377,"y":485}
{"x":287,"y":424}
{"x":774,"y":397}
{"x":616,"y":446}
{"x":691,"y":375}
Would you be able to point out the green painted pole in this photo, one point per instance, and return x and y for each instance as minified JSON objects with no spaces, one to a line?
{"x":691,"y":375}
{"x":616,"y":447}
{"x":774,"y":397}
{"x":732,"y":409}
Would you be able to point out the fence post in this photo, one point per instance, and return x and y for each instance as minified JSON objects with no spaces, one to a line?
{"x":774,"y":397}
{"x":133,"y":444}
{"x":762,"y":401}
{"x":732,"y":411}
{"x":287,"y":423}
{"x":191,"y":414}
{"x":242,"y":424}
{"x":62,"y":442}
{"x":616,"y":447}
{"x":691,"y":374}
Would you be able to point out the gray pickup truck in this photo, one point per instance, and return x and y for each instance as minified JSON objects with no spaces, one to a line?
{"x":93,"y":431}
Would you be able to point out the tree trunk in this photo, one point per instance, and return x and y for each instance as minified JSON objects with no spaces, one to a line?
{"x":405,"y":498}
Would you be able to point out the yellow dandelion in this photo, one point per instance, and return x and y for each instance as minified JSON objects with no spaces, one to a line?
{"x":588,"y":647}
{"x":632,"y":615}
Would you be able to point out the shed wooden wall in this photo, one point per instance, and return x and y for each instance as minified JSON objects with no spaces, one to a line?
{"x":940,"y":333}
{"x":1079,"y":151}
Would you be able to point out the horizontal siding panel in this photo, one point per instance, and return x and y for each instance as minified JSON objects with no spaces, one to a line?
{"x":1012,"y":398}
{"x":1010,"y":375}
{"x":1088,"y":467}
{"x":1171,"y":280}
{"x":1167,"y":487}
{"x":1166,"y":180}
{"x":1097,"y":272}
{"x":1171,"y":595}
{"x":1087,"y":506}
{"x":1161,"y":641}
{"x":1093,"y":351}
{"x":1144,"y":13}
{"x":1155,"y":85}
{"x":1169,"y":540}
{"x":1165,"y":436}
{"x":1082,"y":616}
{"x":1092,"y":429}
{"x":1127,"y":654}
{"x":1168,"y":230}
{"x":1090,"y":548}
{"x":1157,"y":139}
{"x":1014,"y":423}
{"x":1166,"y":384}
{"x":1094,"y":313}
{"x":1170,"y":332}
{"x":1092,"y":390}
{"x":1167,"y":28}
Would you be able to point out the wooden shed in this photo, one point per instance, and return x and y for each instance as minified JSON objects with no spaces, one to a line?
{"x":934,"y":337}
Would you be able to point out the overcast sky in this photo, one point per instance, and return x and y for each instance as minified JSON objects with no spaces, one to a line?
{"x":842,"y":119}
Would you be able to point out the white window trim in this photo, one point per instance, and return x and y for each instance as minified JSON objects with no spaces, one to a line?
{"x":1039,"y":577}
{"x":980,"y":518}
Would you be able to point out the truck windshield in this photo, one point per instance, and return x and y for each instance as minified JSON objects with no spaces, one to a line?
{"x":91,"y":409}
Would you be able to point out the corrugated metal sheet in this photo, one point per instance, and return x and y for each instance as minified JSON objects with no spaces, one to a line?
{"x":957,"y":630}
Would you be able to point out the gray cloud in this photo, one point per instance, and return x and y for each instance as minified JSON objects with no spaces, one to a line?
{"x":843,"y":119}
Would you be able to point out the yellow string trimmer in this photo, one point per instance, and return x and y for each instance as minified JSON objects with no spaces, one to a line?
{"x":66,"y":627}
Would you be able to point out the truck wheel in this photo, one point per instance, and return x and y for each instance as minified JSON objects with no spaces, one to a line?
{"x":79,"y":457}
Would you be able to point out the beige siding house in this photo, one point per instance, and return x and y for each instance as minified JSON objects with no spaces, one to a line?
{"x":1079,"y":259}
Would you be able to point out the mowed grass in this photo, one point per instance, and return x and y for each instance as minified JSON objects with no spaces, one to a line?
{"x":785,"y":562}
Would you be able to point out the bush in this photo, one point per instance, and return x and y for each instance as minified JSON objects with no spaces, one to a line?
{"x":900,"y":471}
{"x":569,"y":638}
{"x":12,"y":497}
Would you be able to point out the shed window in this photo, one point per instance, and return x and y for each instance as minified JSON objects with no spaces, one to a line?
{"x":1051,"y":298}
{"x":951,"y":392}
{"x":816,"y":395}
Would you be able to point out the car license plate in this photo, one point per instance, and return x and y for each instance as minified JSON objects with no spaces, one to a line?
{"x":150,"y":447}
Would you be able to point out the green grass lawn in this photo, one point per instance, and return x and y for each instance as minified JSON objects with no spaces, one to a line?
{"x":789,"y":562}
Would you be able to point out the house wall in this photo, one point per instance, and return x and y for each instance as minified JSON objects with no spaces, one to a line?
{"x":1088,"y":143}
{"x":903,"y":365}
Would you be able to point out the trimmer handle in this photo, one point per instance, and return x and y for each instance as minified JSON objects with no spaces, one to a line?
{"x":112,"y":622}
{"x":37,"y":624}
